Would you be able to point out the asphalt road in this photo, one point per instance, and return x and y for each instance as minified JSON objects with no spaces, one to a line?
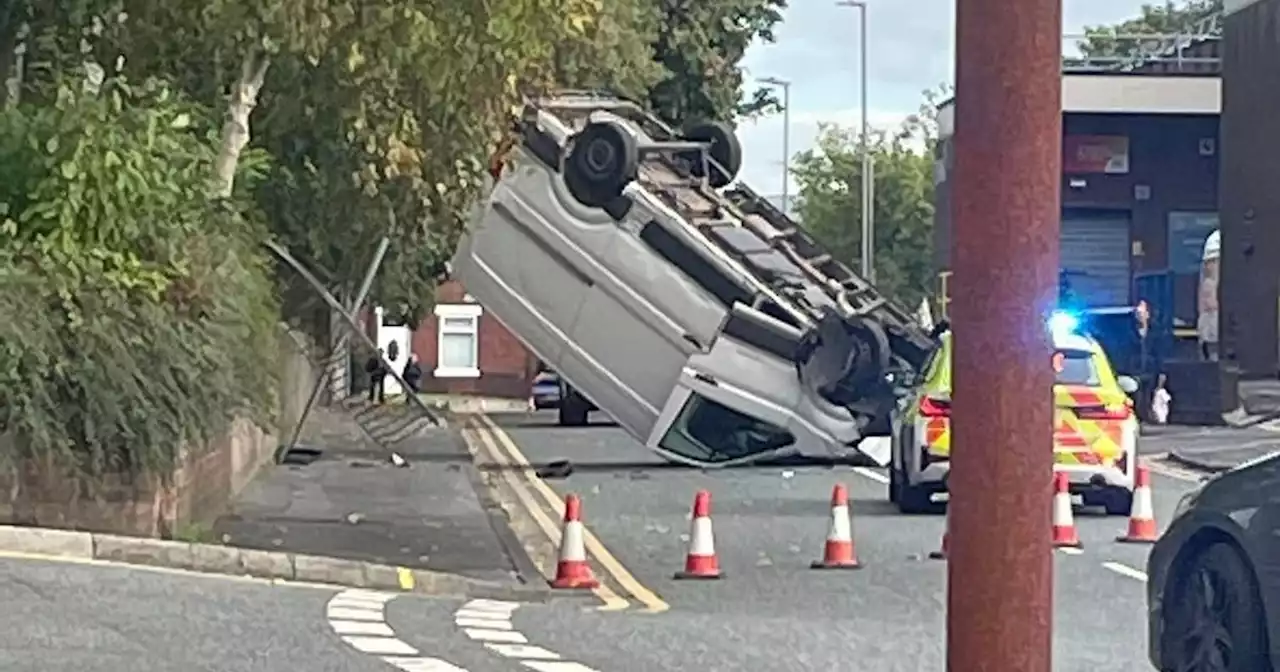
{"x":771,"y":611}
{"x":65,"y":617}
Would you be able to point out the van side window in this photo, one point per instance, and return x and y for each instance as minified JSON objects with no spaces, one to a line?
{"x":710,"y":278}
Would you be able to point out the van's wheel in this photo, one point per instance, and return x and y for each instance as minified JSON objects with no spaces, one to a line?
{"x":603,"y":161}
{"x":725,"y":150}
{"x":1214,"y":618}
{"x":573,"y":409}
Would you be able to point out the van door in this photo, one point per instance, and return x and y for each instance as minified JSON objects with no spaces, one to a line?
{"x":707,"y":424}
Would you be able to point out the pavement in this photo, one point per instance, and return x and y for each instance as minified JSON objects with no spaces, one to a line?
{"x":1214,"y":449}
{"x":344,"y":498}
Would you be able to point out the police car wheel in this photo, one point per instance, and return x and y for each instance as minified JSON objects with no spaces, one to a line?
{"x":1118,"y":502}
{"x":603,"y":161}
{"x":725,"y":150}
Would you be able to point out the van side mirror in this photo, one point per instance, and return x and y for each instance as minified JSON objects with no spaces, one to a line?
{"x":1128,"y":384}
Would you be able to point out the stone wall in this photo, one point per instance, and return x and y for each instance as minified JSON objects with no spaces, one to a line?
{"x":45,"y":495}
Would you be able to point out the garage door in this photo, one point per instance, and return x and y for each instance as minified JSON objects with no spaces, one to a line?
{"x":1095,"y":256}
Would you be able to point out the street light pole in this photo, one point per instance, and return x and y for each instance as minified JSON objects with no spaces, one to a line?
{"x":785,"y":85}
{"x":1006,"y":209}
{"x":868,"y":178}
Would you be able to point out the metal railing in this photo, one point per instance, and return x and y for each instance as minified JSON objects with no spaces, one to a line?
{"x":1194,"y":50}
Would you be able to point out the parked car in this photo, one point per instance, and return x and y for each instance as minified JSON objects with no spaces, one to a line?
{"x":709,"y":325}
{"x":545,"y":391}
{"x":1213,"y":578}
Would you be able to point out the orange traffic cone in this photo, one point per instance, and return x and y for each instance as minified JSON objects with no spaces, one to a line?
{"x":1064,"y":524}
{"x":839,"y":552}
{"x":1142,"y":519}
{"x":572,"y":570}
{"x":701,"y":561}
{"x":941,"y":553}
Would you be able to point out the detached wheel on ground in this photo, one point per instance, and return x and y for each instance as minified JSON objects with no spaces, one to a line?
{"x":604,"y":159}
{"x":574,"y":408}
{"x":1213,"y":615}
{"x":725,"y":150}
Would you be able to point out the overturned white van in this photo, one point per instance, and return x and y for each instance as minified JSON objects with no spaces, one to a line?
{"x":708,"y":325}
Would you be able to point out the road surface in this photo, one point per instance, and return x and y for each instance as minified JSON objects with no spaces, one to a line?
{"x":771,"y":611}
{"x":71,"y":617}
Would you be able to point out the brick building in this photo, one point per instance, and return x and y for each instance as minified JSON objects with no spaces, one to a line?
{"x":463,"y":351}
{"x":460,"y":348}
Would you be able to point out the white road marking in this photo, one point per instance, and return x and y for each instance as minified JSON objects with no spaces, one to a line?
{"x":359,"y":618}
{"x":348,"y":614}
{"x":481,"y":615}
{"x":1125,"y":570}
{"x":1071,"y":551}
{"x":507,"y":642}
{"x":523,"y":651}
{"x":422,"y":664}
{"x":872,"y":474}
{"x":481,"y":623}
{"x":361,"y":628}
{"x":503,"y":636}
{"x":556,"y":666}
{"x":381,"y":646}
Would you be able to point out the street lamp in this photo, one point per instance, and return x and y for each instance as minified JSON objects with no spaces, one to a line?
{"x":785,"y":85}
{"x":868,"y":184}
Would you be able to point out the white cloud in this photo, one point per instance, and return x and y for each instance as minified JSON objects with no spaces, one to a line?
{"x":910,"y":47}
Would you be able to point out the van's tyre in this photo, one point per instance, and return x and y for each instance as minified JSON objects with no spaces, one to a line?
{"x":725,"y":150}
{"x":605,"y":158}
{"x":573,"y":409}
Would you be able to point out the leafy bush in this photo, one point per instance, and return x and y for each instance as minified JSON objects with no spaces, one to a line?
{"x":134,"y":306}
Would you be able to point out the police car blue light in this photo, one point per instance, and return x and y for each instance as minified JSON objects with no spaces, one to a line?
{"x":1061,"y":323}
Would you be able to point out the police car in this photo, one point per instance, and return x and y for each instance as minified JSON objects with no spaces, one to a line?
{"x":1095,"y":429}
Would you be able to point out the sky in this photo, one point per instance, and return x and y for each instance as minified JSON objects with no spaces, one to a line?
{"x":911,"y":47}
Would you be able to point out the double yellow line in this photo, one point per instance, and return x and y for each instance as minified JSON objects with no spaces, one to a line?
{"x":489,"y":444}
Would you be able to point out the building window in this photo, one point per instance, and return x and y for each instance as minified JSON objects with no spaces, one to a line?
{"x":458,"y":341}
{"x":1188,"y":232}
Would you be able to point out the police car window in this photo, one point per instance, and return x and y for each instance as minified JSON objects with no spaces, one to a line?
{"x":710,"y":432}
{"x":1075,"y":367}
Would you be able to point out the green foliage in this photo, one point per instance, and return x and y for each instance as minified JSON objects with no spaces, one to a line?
{"x":141,"y":302}
{"x":1170,"y":18}
{"x":701,"y":45}
{"x":830,"y":205}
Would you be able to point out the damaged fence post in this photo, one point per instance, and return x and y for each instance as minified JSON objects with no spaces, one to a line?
{"x":350,"y":319}
{"x":341,"y":345}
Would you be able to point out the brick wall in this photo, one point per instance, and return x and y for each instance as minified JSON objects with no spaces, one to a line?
{"x":46,"y":495}
{"x":505,"y":365}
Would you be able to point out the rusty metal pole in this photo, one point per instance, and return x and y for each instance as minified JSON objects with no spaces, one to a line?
{"x":1006,"y":210}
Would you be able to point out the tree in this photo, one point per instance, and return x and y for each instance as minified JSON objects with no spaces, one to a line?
{"x":1170,"y":18}
{"x":829,"y":178}
{"x":700,"y":45}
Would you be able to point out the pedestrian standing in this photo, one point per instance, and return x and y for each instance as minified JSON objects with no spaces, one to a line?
{"x":1144,"y":365}
{"x":377,"y":369}
{"x":412,"y":376}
